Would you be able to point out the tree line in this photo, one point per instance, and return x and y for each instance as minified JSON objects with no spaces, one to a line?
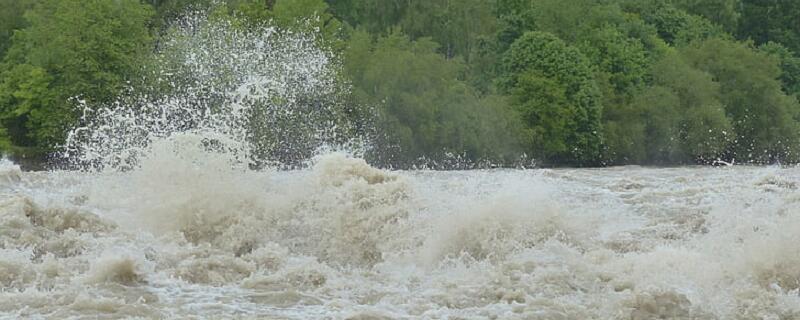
{"x":563,"y":82}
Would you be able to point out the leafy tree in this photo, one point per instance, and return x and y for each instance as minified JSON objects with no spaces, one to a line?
{"x":552,"y":84}
{"x":374,"y":17}
{"x":576,"y":82}
{"x":680,"y":119}
{"x":71,"y":48}
{"x":11,"y":19}
{"x":423,"y":108}
{"x":312,"y":15}
{"x":771,"y":20}
{"x":27,"y":99}
{"x":724,"y":13}
{"x":543,"y":106}
{"x":455,"y":25}
{"x":790,"y":66}
{"x":703,"y":126}
{"x":675,"y":25}
{"x":168,"y":10}
{"x":764,"y":117}
{"x":513,"y":21}
{"x":645,"y":130}
{"x":602,"y":30}
{"x":624,"y":59}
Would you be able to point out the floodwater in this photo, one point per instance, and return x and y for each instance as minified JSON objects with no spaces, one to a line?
{"x":168,"y":222}
{"x":181,"y":238}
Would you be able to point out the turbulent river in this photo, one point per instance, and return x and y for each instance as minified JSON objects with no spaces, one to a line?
{"x":168,"y":220}
{"x":178,"y":238}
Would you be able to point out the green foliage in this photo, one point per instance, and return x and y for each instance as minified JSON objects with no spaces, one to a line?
{"x":703,"y":127}
{"x":374,"y":17}
{"x":552,"y":84}
{"x":790,"y":66}
{"x":573,"y":82}
{"x":673,"y":24}
{"x":774,"y":20}
{"x":168,"y":10}
{"x":310,"y":16}
{"x":423,"y":108}
{"x":547,"y":113}
{"x":456,"y":25}
{"x":644,"y":130}
{"x":71,"y":48}
{"x":724,"y":13}
{"x":624,"y":59}
{"x":620,"y":44}
{"x":11,"y":12}
{"x":25,"y":97}
{"x":567,"y":19}
{"x":680,"y":119}
{"x":764,"y":117}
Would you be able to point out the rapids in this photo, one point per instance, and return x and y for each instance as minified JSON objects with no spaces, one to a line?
{"x":181,"y":238}
{"x":177,"y":211}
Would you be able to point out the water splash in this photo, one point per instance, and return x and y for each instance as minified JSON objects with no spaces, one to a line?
{"x":175,"y":225}
{"x":260,"y":95}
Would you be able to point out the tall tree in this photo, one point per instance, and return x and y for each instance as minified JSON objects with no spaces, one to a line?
{"x":72,"y":48}
{"x":553,"y":87}
{"x":725,"y":13}
{"x":11,"y":19}
{"x":375,"y":17}
{"x":674,"y":24}
{"x":423,"y":108}
{"x":771,"y":20}
{"x":790,"y":66}
{"x":455,"y":25}
{"x":765,"y":119}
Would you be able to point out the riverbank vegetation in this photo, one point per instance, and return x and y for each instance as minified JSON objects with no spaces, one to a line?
{"x":563,"y":82}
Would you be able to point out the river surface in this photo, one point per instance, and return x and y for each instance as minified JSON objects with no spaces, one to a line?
{"x":343,"y":240}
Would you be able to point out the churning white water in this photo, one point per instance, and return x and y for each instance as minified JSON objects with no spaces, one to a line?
{"x":169,"y":220}
{"x":343,"y":240}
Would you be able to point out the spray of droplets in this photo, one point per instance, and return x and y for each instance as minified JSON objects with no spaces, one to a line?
{"x":260,"y":95}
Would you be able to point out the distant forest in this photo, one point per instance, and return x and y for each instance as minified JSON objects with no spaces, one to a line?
{"x":564,"y":82}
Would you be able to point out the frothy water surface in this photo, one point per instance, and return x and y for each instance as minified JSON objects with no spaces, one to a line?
{"x":170,"y":221}
{"x":343,"y":240}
